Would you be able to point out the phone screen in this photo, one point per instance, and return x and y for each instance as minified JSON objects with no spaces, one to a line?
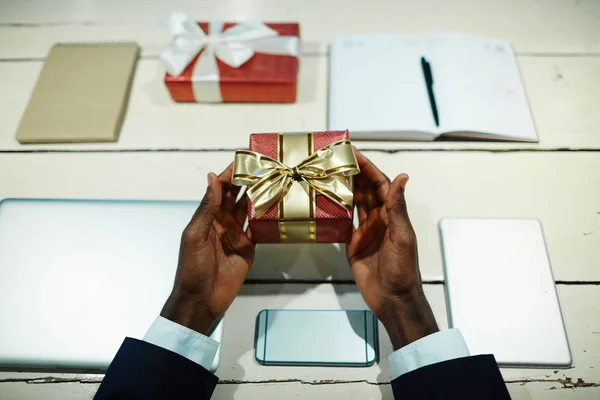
{"x":316,"y":337}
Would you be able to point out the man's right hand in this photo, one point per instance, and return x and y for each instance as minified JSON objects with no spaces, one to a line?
{"x":214,"y":258}
{"x":383,"y":256}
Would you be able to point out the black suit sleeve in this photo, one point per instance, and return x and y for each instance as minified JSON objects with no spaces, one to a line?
{"x":141,"y":370}
{"x":466,"y":378}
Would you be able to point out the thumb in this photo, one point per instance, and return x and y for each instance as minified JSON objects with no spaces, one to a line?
{"x":395,"y":205}
{"x":205,"y":215}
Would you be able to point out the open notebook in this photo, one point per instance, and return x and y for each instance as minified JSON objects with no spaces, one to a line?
{"x":378,"y":89}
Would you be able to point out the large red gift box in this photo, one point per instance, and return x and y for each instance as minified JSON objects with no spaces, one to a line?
{"x":263,"y":78}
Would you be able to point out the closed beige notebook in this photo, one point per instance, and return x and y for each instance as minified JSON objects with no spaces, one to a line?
{"x":81,"y":94}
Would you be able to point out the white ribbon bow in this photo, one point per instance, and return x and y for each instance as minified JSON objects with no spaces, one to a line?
{"x":234,"y":47}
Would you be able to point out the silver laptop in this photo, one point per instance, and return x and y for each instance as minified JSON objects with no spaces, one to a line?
{"x":78,"y":276}
{"x":501,"y":292}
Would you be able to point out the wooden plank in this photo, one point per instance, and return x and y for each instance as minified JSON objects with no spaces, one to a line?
{"x":286,"y":391}
{"x":44,"y":391}
{"x":28,"y":28}
{"x":238,"y":371}
{"x":541,"y":391}
{"x":581,"y":305}
{"x":581,"y":308}
{"x":560,"y":189}
{"x":563,"y":92}
{"x":154,"y":121}
{"x":237,"y":362}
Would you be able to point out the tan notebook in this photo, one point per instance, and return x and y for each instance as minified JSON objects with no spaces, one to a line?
{"x":81,"y":94}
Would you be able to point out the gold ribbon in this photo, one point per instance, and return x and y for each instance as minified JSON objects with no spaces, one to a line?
{"x":272,"y":183}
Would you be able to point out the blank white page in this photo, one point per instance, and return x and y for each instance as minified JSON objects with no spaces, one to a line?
{"x":377,"y":88}
{"x":501,"y":292}
{"x":478,"y":88}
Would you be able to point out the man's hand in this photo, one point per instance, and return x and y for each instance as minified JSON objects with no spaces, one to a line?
{"x":214,"y":257}
{"x":383,"y":256}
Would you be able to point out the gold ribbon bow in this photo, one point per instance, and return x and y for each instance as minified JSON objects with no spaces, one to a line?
{"x":325,"y":172}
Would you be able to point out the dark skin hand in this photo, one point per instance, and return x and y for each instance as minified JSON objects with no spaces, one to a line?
{"x":383,"y":256}
{"x":214,"y":257}
{"x":216,"y":254}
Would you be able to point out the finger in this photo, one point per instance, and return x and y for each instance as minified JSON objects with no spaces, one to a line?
{"x":231,"y":235}
{"x":363,"y":214}
{"x":250,"y":237}
{"x":233,"y":221}
{"x":230,"y":191}
{"x":230,"y":195}
{"x":363,"y":195}
{"x":395,"y":206}
{"x":220,"y":227}
{"x":203,"y":218}
{"x":373,"y":200}
{"x":371,"y":177}
{"x":241,"y":210}
{"x":366,"y":199}
{"x":225,"y":176}
{"x":361,"y":206}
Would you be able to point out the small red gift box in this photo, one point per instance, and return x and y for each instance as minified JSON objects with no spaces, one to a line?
{"x":232,"y":62}
{"x":312,"y":172}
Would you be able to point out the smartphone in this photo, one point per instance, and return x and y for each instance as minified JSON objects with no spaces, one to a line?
{"x":316,"y":337}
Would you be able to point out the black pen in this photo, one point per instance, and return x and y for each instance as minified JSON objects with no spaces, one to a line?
{"x":426,"y":67}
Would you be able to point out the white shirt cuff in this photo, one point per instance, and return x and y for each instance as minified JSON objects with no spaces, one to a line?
{"x":181,"y":340}
{"x":432,"y":349}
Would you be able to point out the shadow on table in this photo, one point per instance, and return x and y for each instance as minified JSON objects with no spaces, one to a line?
{"x":239,"y":334}
{"x":300,"y":262}
{"x":350,"y":298}
{"x":281,"y":275}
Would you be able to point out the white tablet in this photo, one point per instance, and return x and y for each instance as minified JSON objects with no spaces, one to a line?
{"x":501,"y":292}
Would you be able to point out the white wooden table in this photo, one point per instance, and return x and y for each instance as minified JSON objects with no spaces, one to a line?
{"x":166,"y":149}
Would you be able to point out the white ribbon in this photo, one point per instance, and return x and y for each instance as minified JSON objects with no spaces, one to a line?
{"x":234,"y":47}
